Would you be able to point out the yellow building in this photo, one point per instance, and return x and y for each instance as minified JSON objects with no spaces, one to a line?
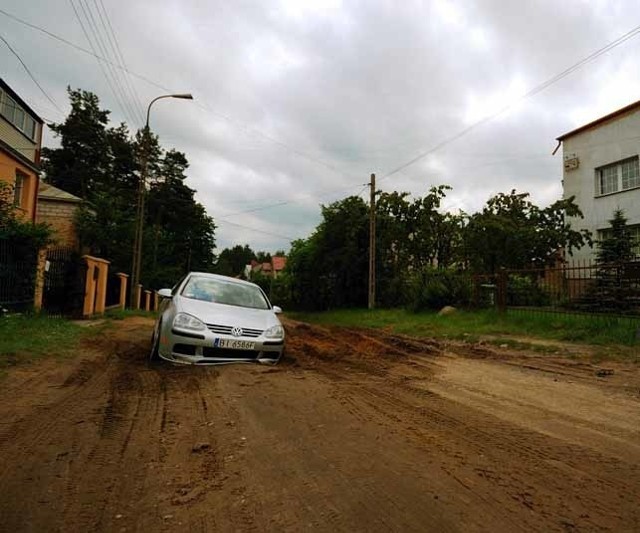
{"x":20,"y":143}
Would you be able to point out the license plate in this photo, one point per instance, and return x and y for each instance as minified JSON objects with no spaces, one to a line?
{"x":232,"y":344}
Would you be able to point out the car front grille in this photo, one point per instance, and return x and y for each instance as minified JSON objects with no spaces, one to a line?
{"x":223,"y":353}
{"x":226,"y":330}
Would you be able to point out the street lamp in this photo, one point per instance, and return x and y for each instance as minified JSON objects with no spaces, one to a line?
{"x":137,"y":240}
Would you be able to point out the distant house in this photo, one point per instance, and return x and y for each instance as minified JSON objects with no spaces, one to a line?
{"x":58,"y":209}
{"x":272,"y":269}
{"x":601,"y":169}
{"x":279,"y":264}
{"x":20,"y":144}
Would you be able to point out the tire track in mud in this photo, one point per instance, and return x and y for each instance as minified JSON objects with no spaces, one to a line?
{"x":599,"y":483}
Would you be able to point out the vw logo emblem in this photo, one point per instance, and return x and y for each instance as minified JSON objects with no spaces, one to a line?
{"x":236,"y":332}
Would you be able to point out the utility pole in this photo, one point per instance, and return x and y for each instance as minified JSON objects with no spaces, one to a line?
{"x":136,"y":258}
{"x":372,"y":243}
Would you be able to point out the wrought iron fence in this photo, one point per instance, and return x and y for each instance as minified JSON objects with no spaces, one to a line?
{"x":580,"y":287}
{"x":17,"y":276}
{"x":64,"y":281}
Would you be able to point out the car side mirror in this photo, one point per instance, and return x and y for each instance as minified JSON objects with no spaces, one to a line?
{"x":277,"y":310}
{"x":165,"y":293}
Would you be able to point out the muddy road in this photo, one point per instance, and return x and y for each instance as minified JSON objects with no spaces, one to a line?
{"x":355,"y":431}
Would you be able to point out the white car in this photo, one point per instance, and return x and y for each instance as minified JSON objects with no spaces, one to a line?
{"x":211,"y":319}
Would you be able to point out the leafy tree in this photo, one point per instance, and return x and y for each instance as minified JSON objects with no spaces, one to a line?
{"x":83,"y":157}
{"x":263,"y":257}
{"x":101,"y":165}
{"x":512,"y":232}
{"x":25,"y":237}
{"x":231,"y":261}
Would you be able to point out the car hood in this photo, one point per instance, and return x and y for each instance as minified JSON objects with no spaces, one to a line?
{"x":228,"y":315}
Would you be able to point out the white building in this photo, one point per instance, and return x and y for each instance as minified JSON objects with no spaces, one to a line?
{"x":601,"y":170}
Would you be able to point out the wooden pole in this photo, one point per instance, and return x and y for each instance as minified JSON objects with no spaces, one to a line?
{"x":372,"y":243}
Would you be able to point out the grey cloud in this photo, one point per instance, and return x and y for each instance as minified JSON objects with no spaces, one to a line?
{"x":362,"y":86}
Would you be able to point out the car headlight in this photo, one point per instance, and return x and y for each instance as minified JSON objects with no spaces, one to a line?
{"x":274,"y":332}
{"x":186,"y":321}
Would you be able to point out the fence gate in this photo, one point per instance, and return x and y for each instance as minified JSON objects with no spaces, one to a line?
{"x":64,"y":282}
{"x":17,"y":276}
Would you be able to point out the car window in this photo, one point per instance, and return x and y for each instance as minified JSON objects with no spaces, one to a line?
{"x":225,"y":292}
{"x":175,"y":288}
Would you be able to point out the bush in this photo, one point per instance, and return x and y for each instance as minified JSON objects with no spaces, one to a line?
{"x":525,"y":291}
{"x":434,"y":288}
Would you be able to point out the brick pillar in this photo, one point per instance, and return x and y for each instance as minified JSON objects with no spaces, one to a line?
{"x":123,"y":289}
{"x":89,"y":290}
{"x":138,"y":296}
{"x":95,"y":294}
{"x":147,"y":300}
{"x":40,"y":273}
{"x":101,"y":290}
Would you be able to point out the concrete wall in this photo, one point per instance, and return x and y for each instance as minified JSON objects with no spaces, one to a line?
{"x":604,"y":144}
{"x":60,"y":216}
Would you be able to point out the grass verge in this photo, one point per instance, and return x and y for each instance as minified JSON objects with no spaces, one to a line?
{"x":473,"y":325}
{"x":121,"y":314}
{"x":25,"y":338}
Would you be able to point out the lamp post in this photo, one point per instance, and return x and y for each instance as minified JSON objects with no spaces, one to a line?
{"x":137,"y":240}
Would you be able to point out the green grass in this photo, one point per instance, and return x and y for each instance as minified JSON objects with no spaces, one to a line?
{"x":121,"y":314}
{"x":471,"y":325}
{"x":24,"y":338}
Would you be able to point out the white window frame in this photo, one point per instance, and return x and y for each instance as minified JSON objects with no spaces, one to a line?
{"x":605,"y":173}
{"x":18,"y":189}
{"x":24,"y":125}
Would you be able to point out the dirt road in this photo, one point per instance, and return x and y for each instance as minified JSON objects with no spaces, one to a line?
{"x":355,"y":431}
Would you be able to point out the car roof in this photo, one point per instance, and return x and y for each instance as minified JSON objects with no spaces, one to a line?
{"x":221,"y":278}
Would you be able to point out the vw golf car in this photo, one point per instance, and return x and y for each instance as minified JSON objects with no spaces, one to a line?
{"x":212,"y":319}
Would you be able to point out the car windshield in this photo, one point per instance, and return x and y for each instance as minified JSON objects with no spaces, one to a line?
{"x":225,"y":292}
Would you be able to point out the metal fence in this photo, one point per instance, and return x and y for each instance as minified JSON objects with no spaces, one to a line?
{"x":64,"y":282}
{"x":17,"y":275}
{"x":583,"y":287}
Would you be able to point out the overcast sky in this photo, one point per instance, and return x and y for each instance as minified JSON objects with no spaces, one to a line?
{"x":300,"y":101}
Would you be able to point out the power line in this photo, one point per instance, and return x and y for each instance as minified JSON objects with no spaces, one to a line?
{"x":26,"y":68}
{"x":292,"y":201}
{"x":99,"y":59}
{"x":93,"y":28}
{"x":118,"y":73}
{"x":122,"y":62}
{"x":532,"y":92}
{"x":217,"y":221}
{"x":244,"y":127}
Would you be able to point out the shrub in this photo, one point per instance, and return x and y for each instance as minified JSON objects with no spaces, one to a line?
{"x":434,"y":288}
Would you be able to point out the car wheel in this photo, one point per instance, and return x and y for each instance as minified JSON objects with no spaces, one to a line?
{"x":154,"y":354}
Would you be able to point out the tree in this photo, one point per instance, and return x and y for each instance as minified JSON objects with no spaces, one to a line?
{"x":617,"y":244}
{"x":25,"y":237}
{"x":101,"y":165}
{"x":231,"y":261}
{"x":83,"y":157}
{"x":615,"y":288}
{"x":512,"y":232}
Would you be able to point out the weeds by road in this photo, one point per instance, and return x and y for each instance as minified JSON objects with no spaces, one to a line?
{"x":26,"y":338}
{"x":472,"y":326}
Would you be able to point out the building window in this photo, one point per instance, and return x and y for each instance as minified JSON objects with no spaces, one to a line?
{"x":18,"y":189}
{"x":618,"y":176}
{"x":15,"y":114}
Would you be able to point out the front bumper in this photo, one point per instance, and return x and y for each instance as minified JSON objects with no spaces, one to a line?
{"x":191,"y":347}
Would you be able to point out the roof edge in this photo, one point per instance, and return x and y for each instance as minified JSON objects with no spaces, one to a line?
{"x":616,"y":114}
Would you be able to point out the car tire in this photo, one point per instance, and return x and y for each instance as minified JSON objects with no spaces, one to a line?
{"x":154,"y":354}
